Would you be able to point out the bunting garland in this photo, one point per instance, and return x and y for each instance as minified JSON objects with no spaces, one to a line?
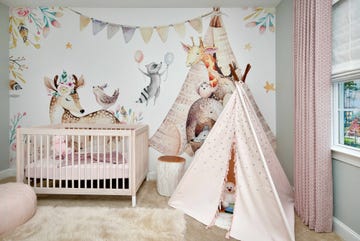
{"x":196,"y":23}
{"x":128,"y":33}
{"x":163,"y":32}
{"x":112,"y":29}
{"x":97,"y":26}
{"x":84,"y":21}
{"x":180,"y":29}
{"x":145,"y":31}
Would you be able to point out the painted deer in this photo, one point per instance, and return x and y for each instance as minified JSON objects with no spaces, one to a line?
{"x":65,"y":101}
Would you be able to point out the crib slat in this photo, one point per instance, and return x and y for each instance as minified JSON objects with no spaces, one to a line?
{"x":47,"y":161}
{"x":117,"y":162}
{"x":28,"y":139}
{"x":86,"y":161}
{"x":41,"y":161}
{"x":91,"y":160}
{"x":35,"y":159}
{"x":104,"y":154}
{"x":123,"y":162}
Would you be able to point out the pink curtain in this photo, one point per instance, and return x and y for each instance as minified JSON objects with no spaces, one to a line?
{"x":312,"y":73}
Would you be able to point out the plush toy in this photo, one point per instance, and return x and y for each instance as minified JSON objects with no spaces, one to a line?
{"x":202,"y":135}
{"x":228,"y":195}
{"x":59,"y":146}
{"x":205,"y":90}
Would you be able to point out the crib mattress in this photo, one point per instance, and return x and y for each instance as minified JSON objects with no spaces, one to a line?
{"x":55,"y":169}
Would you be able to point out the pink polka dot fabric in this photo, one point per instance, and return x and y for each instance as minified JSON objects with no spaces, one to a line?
{"x":312,"y":74}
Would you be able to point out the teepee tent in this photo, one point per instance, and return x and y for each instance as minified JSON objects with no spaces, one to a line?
{"x":264,"y":208}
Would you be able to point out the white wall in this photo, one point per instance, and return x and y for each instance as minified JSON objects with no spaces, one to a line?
{"x":285,"y":86}
{"x":4,"y":93}
{"x":346,"y":194}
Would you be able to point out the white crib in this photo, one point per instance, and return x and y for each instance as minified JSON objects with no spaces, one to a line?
{"x":83,"y":158}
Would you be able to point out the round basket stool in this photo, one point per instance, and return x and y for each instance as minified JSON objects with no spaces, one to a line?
{"x":17,"y":205}
{"x":170,"y":170}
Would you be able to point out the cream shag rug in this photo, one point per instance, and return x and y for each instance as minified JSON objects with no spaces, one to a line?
{"x":101,"y":224}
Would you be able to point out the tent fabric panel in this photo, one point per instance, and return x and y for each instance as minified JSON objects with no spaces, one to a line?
{"x":277,"y":174}
{"x":257,"y":214}
{"x":199,"y":192}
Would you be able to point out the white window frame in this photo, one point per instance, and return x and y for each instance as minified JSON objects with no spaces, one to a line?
{"x":342,"y":152}
{"x":349,"y":72}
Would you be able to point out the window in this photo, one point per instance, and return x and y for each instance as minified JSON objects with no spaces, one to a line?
{"x":346,"y":74}
{"x":348,"y":113}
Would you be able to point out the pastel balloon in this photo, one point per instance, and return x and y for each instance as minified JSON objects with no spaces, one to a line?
{"x":169,"y":58}
{"x":139,"y":56}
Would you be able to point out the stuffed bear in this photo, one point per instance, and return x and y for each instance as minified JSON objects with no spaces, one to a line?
{"x":228,"y":194}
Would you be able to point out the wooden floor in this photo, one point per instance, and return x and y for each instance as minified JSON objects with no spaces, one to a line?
{"x":148,"y":197}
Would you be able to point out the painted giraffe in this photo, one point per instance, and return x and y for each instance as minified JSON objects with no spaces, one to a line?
{"x":65,"y":102}
{"x":204,"y":54}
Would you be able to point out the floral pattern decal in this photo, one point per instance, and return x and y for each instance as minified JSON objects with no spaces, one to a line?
{"x":14,"y":124}
{"x":263,"y":18}
{"x":29,"y":24}
{"x":16,"y":67}
{"x":127,"y":116}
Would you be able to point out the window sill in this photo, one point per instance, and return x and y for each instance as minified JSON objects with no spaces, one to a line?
{"x":346,"y":155}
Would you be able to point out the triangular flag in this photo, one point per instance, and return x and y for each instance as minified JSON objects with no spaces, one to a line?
{"x":84,"y":21}
{"x":146,"y":33}
{"x":196,"y":23}
{"x":163,"y":32}
{"x":128,"y":32}
{"x":112,"y":29}
{"x":98,"y":26}
{"x":180,"y":29}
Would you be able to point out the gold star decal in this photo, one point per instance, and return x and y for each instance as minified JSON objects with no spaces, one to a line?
{"x":269,"y":86}
{"x":68,"y":45}
{"x":248,"y":46}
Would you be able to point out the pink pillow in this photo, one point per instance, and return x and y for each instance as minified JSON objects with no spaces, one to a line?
{"x":17,"y":205}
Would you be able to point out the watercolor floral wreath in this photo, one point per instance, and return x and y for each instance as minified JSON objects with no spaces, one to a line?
{"x":263,"y":18}
{"x":28,"y":24}
{"x":65,"y":86}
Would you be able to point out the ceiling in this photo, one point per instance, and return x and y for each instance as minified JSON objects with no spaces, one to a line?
{"x":141,"y":3}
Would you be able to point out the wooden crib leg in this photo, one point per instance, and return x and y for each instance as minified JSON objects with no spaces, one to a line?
{"x":133,"y":201}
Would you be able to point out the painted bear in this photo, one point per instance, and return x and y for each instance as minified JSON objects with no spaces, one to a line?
{"x":204,"y":111}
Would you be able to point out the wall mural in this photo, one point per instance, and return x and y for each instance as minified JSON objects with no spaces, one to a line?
{"x":214,"y":93}
{"x":103,"y":99}
{"x":178,"y":87}
{"x":156,"y":73}
{"x":263,"y":18}
{"x":65,"y":101}
{"x":146,"y":31}
{"x":29,"y":24}
{"x":14,"y":124}
{"x":214,"y":90}
{"x":16,"y":67}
